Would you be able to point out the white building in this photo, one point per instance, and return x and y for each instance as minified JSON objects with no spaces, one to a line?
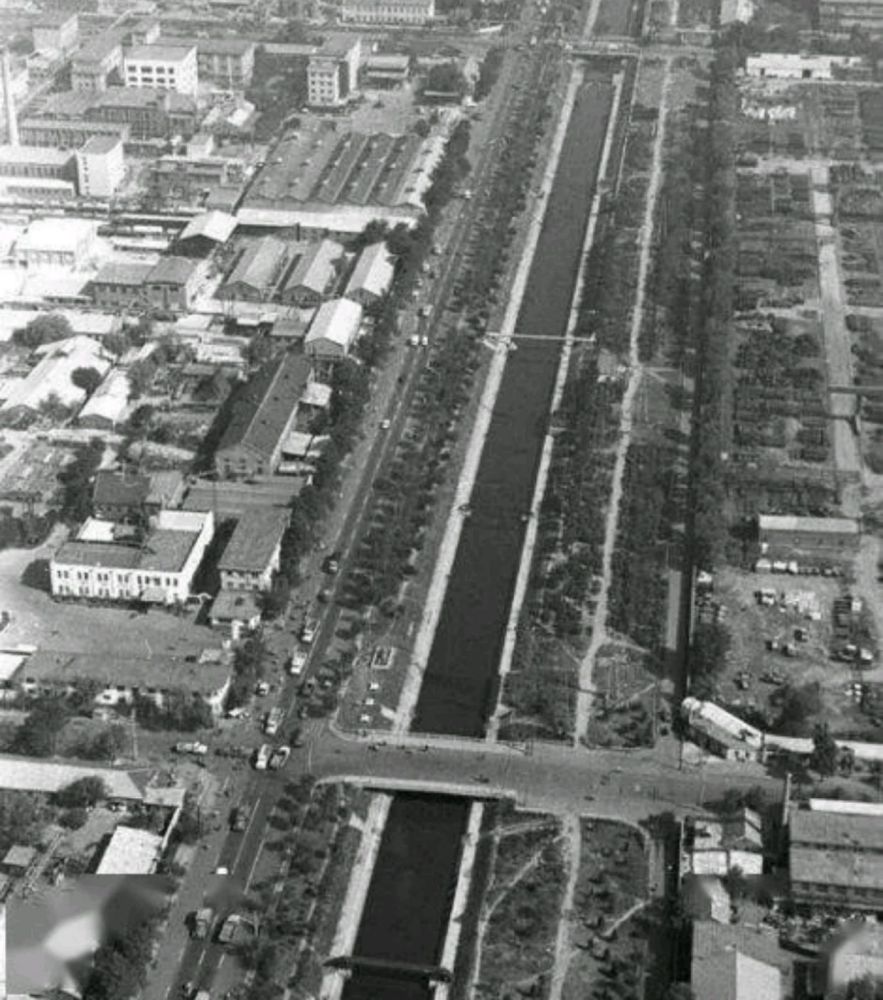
{"x":388,"y":11}
{"x":737,"y":11}
{"x":52,"y":376}
{"x":795,"y":66}
{"x":62,"y":242}
{"x":334,"y":330}
{"x":720,"y":732}
{"x":372,"y":276}
{"x":333,"y":74}
{"x":101,"y":168}
{"x":165,"y":67}
{"x":159,"y":571}
{"x":107,"y":406}
{"x":130,"y":851}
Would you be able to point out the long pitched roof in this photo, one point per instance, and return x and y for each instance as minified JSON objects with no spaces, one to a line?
{"x":373,"y":272}
{"x":257,"y":266}
{"x":315,"y":269}
{"x":337,"y":321}
{"x":264,"y":406}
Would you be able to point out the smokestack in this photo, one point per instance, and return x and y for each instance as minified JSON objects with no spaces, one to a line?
{"x":9,"y":101}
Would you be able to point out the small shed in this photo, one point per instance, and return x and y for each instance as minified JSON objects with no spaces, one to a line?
{"x":19,"y":858}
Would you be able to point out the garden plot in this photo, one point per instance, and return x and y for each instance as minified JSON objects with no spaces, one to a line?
{"x":519,"y":922}
{"x":625,"y":698}
{"x":776,"y":669}
{"x":610,"y":947}
{"x":860,"y":248}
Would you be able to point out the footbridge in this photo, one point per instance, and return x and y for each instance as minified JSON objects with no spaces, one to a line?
{"x":398,"y":970}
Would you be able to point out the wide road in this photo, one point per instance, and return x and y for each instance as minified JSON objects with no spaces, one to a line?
{"x":197,"y":962}
{"x":546,"y":777}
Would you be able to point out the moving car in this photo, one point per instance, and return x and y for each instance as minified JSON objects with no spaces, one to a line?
{"x":202,"y":921}
{"x":332,"y":563}
{"x":239,"y":819}
{"x":228,"y":928}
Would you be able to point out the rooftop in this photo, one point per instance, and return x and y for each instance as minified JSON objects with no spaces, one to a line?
{"x":146,"y":673}
{"x":29,"y":775}
{"x":130,"y":851}
{"x":338,"y":321}
{"x":254,"y":540}
{"x":258,"y":264}
{"x":215,"y":226}
{"x":19,"y":856}
{"x":844,"y":831}
{"x":232,"y":499}
{"x":819,"y":525}
{"x":56,"y":234}
{"x":732,"y":962}
{"x":130,"y":273}
{"x":720,"y":724}
{"x":172,"y":270}
{"x":101,"y":144}
{"x":119,"y":488}
{"x":373,"y":272}
{"x":264,"y":406}
{"x":10,"y":155}
{"x":232,"y":605}
{"x":315,"y":270}
{"x":159,"y":53}
{"x":221,"y":46}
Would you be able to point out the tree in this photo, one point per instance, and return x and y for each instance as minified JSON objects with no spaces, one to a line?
{"x":446,"y":78}
{"x":43,"y":330}
{"x":38,"y":734}
{"x":798,"y":705}
{"x":825,"y":755}
{"x":87,"y":379}
{"x":140,"y":375}
{"x":82,"y":793}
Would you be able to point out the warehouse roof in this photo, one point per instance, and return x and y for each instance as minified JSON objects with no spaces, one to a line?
{"x":130,"y":851}
{"x":337,"y":322}
{"x":836,"y":829}
{"x":721,"y":725}
{"x":129,"y":273}
{"x":231,"y":499}
{"x":216,"y":226}
{"x":258,"y":264}
{"x":315,"y":270}
{"x":265,"y":405}
{"x":254,"y":540}
{"x":373,"y":272}
{"x":819,"y":525}
{"x":109,"y":401}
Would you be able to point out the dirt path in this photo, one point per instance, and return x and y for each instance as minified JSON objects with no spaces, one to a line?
{"x":599,"y":628}
{"x":571,"y":855}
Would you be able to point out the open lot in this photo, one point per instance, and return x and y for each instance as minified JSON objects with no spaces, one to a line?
{"x":36,"y":619}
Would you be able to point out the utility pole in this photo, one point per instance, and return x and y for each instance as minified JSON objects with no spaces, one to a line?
{"x":134,"y":732}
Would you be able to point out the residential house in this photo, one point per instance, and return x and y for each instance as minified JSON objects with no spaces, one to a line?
{"x":252,"y":554}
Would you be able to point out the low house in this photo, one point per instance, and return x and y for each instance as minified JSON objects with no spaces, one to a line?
{"x":716,"y":846}
{"x":237,"y":610}
{"x":108,"y":404}
{"x":334,"y":330}
{"x":203,"y":233}
{"x":262,"y":415}
{"x":835,"y":858}
{"x":130,"y":851}
{"x":822,"y":536}
{"x":313,"y":276}
{"x":117,"y":680}
{"x":125,"y":496}
{"x":120,"y":285}
{"x":372,"y":276}
{"x":172,"y":284}
{"x":256,"y":271}
{"x":19,"y":858}
{"x":733,"y":962}
{"x":720,"y":732}
{"x":252,"y":554}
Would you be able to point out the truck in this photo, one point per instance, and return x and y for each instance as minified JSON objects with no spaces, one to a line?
{"x":273,"y":721}
{"x":202,"y":921}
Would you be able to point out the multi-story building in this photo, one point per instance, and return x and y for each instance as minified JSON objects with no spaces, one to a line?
{"x":67,"y":134}
{"x":184,"y":180}
{"x":148,"y":113}
{"x":120,"y":285}
{"x":37,"y":161}
{"x":56,"y":32}
{"x":165,"y":67}
{"x":388,"y":11}
{"x":101,"y":168}
{"x":96,"y":62}
{"x":172,"y":284}
{"x":836,"y":858}
{"x":333,"y":74}
{"x":841,"y":16}
{"x":252,"y":554}
{"x":261,"y":418}
{"x":228,"y":63}
{"x":160,"y":570}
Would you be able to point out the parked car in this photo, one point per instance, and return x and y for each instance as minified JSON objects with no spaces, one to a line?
{"x":279,"y":758}
{"x":332,"y":563}
{"x":261,"y":757}
{"x":298,"y":661}
{"x":308,"y":631}
{"x":262,"y":688}
{"x":239,"y":819}
{"x":197,"y":749}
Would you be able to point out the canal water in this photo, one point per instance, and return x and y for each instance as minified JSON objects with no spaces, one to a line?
{"x":408,"y":903}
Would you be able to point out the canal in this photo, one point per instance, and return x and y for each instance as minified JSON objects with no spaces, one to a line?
{"x":408,"y":903}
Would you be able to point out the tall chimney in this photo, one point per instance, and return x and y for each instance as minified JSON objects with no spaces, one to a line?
{"x":9,"y":101}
